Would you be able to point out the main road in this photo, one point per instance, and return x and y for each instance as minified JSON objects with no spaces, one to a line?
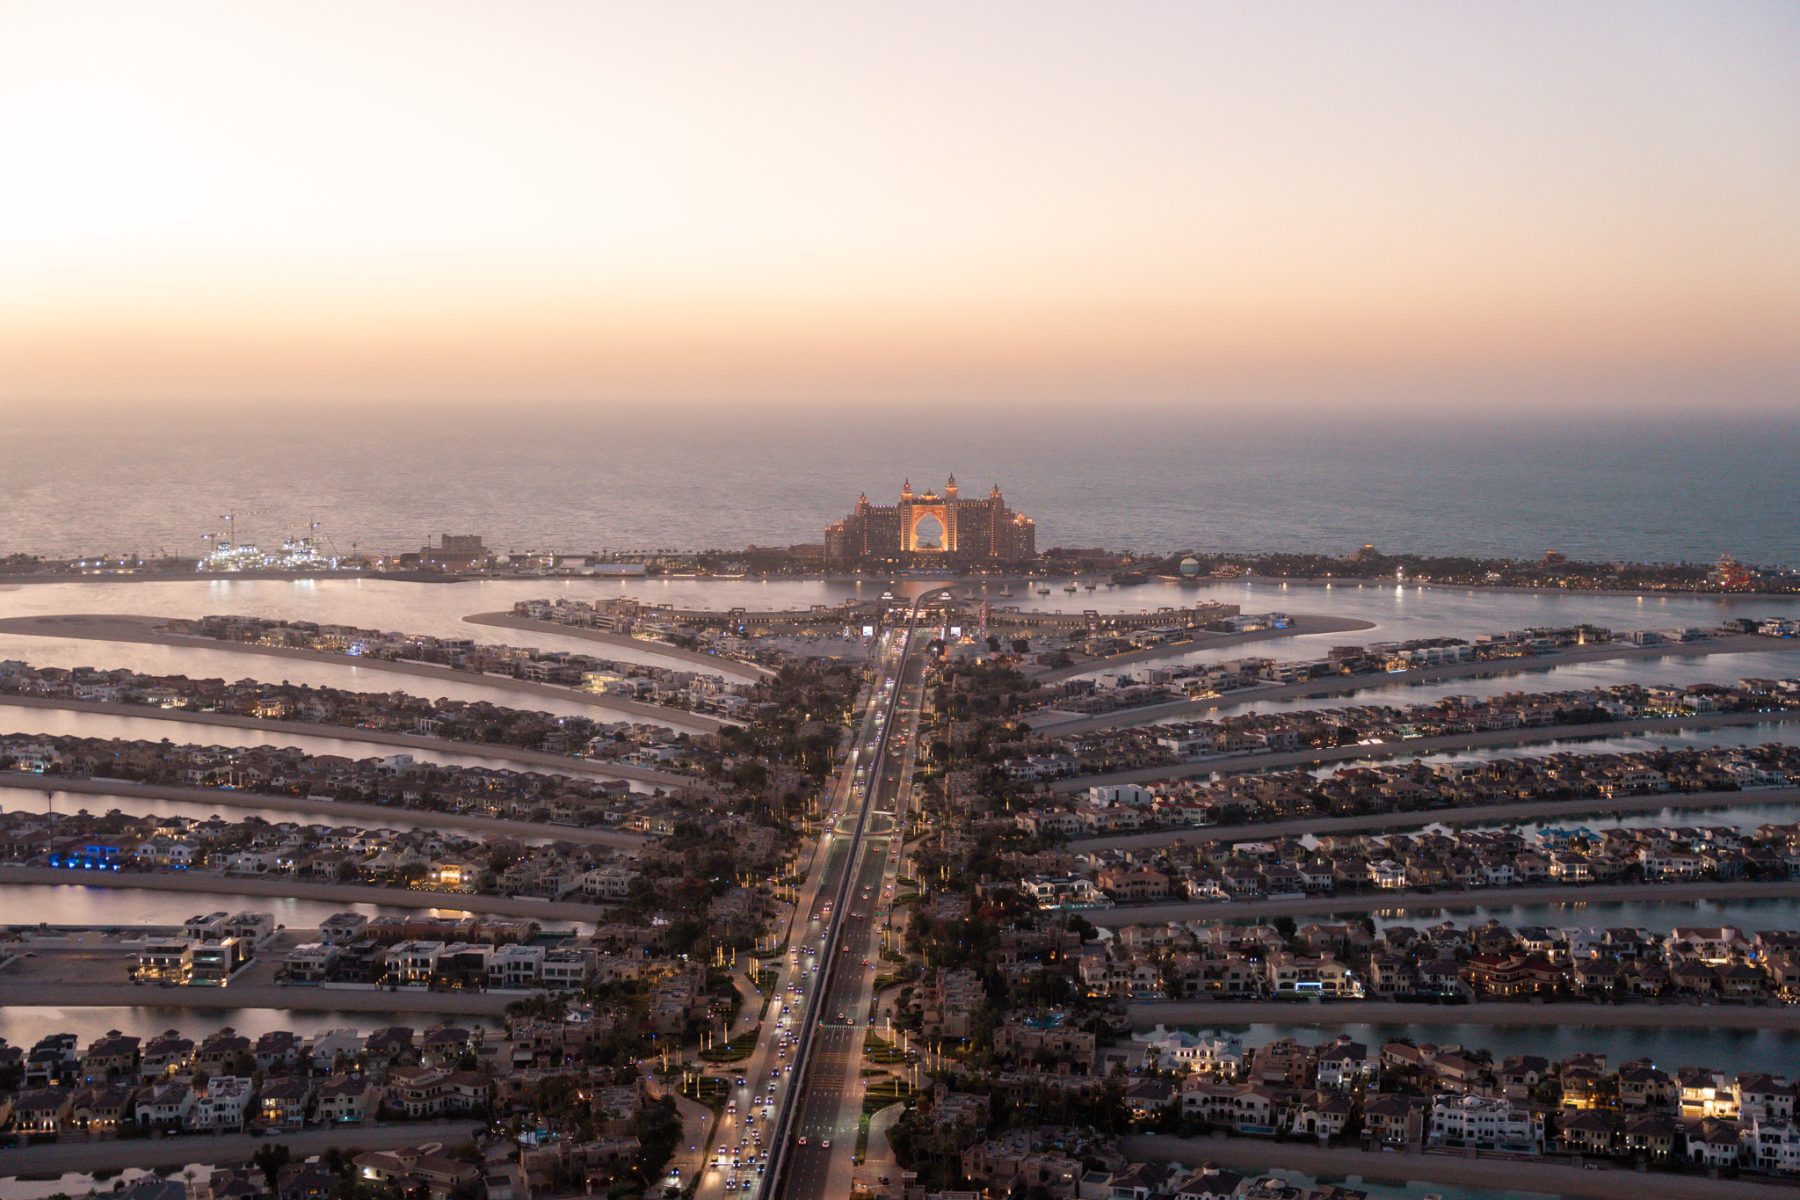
{"x":802,"y":1081}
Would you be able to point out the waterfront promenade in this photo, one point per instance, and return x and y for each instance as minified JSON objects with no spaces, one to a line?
{"x":1163,"y":912}
{"x":1497,"y":1014}
{"x":120,"y":627}
{"x":1482,"y":740}
{"x":1508,"y":1174}
{"x":290,"y":889}
{"x":536,"y":760}
{"x":1150,"y":714}
{"x":1495,"y":814}
{"x":374,"y":815}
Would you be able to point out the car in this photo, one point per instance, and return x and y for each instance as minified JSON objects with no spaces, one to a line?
{"x":825,"y":1145}
{"x":803,"y":1139}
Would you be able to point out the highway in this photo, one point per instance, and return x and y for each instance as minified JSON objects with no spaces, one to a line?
{"x":802,"y":1081}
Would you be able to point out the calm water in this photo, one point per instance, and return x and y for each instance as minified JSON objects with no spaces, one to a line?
{"x":1602,"y":487}
{"x":22,"y":1025}
{"x":77,"y":904}
{"x":1750,"y":915}
{"x":1726,"y":1049}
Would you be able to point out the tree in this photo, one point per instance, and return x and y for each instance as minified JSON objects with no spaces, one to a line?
{"x":269,"y":1158}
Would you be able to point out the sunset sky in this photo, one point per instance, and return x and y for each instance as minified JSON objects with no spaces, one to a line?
{"x":1169,"y":203}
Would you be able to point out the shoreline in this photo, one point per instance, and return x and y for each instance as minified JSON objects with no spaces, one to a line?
{"x":1498,"y":814}
{"x":432,"y":577}
{"x":141,"y":630}
{"x":1354,"y":685}
{"x":289,"y":889}
{"x":1238,"y":764}
{"x":354,"y":813}
{"x":1165,"y":913}
{"x":1495,"y":1014}
{"x":551,"y":764}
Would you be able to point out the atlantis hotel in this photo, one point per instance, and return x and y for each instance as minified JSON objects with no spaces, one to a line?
{"x":925,"y":525}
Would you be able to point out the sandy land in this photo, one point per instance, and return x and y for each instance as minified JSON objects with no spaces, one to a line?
{"x":1499,"y":1014}
{"x":1357,"y":684}
{"x":266,"y":995}
{"x":1507,"y":1174}
{"x":74,"y":1153}
{"x":537,"y":760}
{"x":121,"y":627}
{"x":1206,"y":641}
{"x":1487,"y":739}
{"x":748,"y":672}
{"x":290,"y":889}
{"x":1530,"y":810}
{"x":1222,"y":910}
{"x":360,"y":814}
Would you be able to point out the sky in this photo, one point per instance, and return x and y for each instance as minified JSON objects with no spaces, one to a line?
{"x":1528,"y":206}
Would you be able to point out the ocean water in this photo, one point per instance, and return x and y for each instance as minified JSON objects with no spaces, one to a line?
{"x":157,"y":478}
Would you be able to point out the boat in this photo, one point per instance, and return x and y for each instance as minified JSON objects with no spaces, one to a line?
{"x":1091,"y":587}
{"x":1131,"y":578}
{"x":1006,"y":590}
{"x":1044,"y":589}
{"x":1071,"y":589}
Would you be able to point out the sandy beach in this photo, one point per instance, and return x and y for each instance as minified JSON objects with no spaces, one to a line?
{"x":1484,"y":740}
{"x":1343,"y":684}
{"x":120,"y":627}
{"x":1224,"y":910}
{"x":537,"y":760}
{"x":1532,"y":810}
{"x":335,"y":893}
{"x":349,"y":814}
{"x":1499,"y":1014}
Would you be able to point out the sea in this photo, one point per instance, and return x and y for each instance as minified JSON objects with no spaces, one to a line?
{"x":1668,"y":487}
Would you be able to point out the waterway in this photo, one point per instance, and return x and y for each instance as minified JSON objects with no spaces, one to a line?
{"x":1670,"y":1049}
{"x":24,"y":1025}
{"x":1739,"y":817}
{"x":75,"y":1183}
{"x":127,"y":908}
{"x":1656,"y":916}
{"x":20,"y":799}
{"x":1575,"y":676}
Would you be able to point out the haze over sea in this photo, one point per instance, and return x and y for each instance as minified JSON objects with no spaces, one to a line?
{"x":1659,"y":488}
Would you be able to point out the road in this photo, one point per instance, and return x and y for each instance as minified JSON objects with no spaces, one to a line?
{"x":756,"y":1132}
{"x":815,"y":1136}
{"x":1508,"y":1175}
{"x":1344,"y":685}
{"x":375,"y":815}
{"x":125,"y":627}
{"x":1601,"y":893}
{"x":1487,"y":739}
{"x":537,"y":760}
{"x":1481,"y":814}
{"x":110,"y":1154}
